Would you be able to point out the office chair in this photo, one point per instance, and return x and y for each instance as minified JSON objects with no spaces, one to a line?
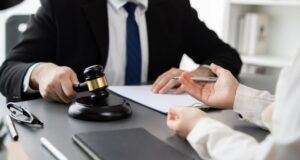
{"x":15,"y":25}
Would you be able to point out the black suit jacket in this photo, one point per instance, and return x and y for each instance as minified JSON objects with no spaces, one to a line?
{"x":74,"y":33}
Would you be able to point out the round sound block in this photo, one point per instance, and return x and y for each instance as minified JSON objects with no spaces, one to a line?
{"x":108,"y":109}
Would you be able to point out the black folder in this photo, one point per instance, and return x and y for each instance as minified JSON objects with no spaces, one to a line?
{"x":126,"y":144}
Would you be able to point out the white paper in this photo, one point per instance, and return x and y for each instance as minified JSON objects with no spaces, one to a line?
{"x":160,"y":102}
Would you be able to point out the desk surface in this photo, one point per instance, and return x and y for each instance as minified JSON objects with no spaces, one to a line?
{"x":59,"y":128}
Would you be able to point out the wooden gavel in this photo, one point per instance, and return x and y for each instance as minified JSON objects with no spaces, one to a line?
{"x":95,"y":82}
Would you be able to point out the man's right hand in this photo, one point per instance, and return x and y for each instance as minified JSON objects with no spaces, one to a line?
{"x":54,"y":83}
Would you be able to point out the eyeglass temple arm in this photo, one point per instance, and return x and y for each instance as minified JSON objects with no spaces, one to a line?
{"x":36,"y":120}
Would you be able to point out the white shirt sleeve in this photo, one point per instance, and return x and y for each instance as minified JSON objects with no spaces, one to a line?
{"x":251,"y":103}
{"x":214,"y":140}
{"x":26,"y":80}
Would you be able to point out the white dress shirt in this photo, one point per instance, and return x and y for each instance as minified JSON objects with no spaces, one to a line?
{"x":116,"y":62}
{"x":115,"y":68}
{"x":214,"y":140}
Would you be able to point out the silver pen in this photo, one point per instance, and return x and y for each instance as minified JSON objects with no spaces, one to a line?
{"x":53,"y":150}
{"x":204,"y":79}
{"x":12,"y":129}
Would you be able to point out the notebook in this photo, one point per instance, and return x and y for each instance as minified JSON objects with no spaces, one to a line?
{"x":126,"y":144}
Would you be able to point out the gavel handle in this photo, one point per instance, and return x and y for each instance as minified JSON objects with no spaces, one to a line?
{"x":81,"y":87}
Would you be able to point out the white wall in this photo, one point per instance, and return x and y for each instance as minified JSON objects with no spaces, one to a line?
{"x":214,"y":14}
{"x":26,"y":7}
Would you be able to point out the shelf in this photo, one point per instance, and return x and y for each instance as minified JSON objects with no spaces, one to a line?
{"x":267,"y":61}
{"x":267,"y":2}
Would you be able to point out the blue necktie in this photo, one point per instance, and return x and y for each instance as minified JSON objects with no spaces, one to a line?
{"x":133,"y":50}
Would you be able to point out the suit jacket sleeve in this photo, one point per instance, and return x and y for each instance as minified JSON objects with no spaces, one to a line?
{"x":202,"y":41}
{"x":37,"y":45}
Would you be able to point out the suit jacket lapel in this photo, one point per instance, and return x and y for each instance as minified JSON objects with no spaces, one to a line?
{"x":96,"y":14}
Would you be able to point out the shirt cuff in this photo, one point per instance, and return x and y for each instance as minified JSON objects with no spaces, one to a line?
{"x":250,"y":103}
{"x":199,"y":135}
{"x":250,"y":99}
{"x":203,"y":127}
{"x":242,"y":98}
{"x":26,"y":81}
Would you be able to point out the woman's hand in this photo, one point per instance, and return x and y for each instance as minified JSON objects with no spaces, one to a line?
{"x":183,"y":119}
{"x":219,"y":94}
{"x":164,"y":83}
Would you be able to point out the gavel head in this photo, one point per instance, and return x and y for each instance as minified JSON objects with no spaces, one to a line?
{"x":96,"y":81}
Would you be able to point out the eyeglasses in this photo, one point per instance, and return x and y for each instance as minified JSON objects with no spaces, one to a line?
{"x":22,"y":115}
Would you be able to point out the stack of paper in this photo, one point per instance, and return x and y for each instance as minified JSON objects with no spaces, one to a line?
{"x":160,"y":102}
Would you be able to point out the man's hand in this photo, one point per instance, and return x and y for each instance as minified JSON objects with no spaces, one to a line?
{"x":54,"y":83}
{"x":220,"y":94}
{"x":183,"y":119}
{"x":165,"y":82}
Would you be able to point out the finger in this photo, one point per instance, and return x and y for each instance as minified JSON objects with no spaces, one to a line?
{"x":187,"y":75}
{"x":74,"y":78}
{"x":61,"y":95}
{"x":155,"y":85}
{"x":161,"y":81}
{"x":49,"y":93}
{"x":179,"y":90}
{"x":172,"y":121}
{"x":175,"y":110}
{"x":169,"y":85}
{"x":67,"y":85}
{"x":188,"y":82}
{"x":157,"y":81}
{"x":60,"y":98}
{"x":52,"y":96}
{"x":165,"y":78}
{"x":216,"y":69}
{"x":171,"y":124}
{"x":58,"y":92}
{"x":67,"y":88}
{"x":194,"y":89}
{"x":171,"y":116}
{"x":213,"y":67}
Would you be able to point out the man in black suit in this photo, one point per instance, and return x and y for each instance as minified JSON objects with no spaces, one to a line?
{"x":66,"y":36}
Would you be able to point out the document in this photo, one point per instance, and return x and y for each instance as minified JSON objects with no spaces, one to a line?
{"x":160,"y":102}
